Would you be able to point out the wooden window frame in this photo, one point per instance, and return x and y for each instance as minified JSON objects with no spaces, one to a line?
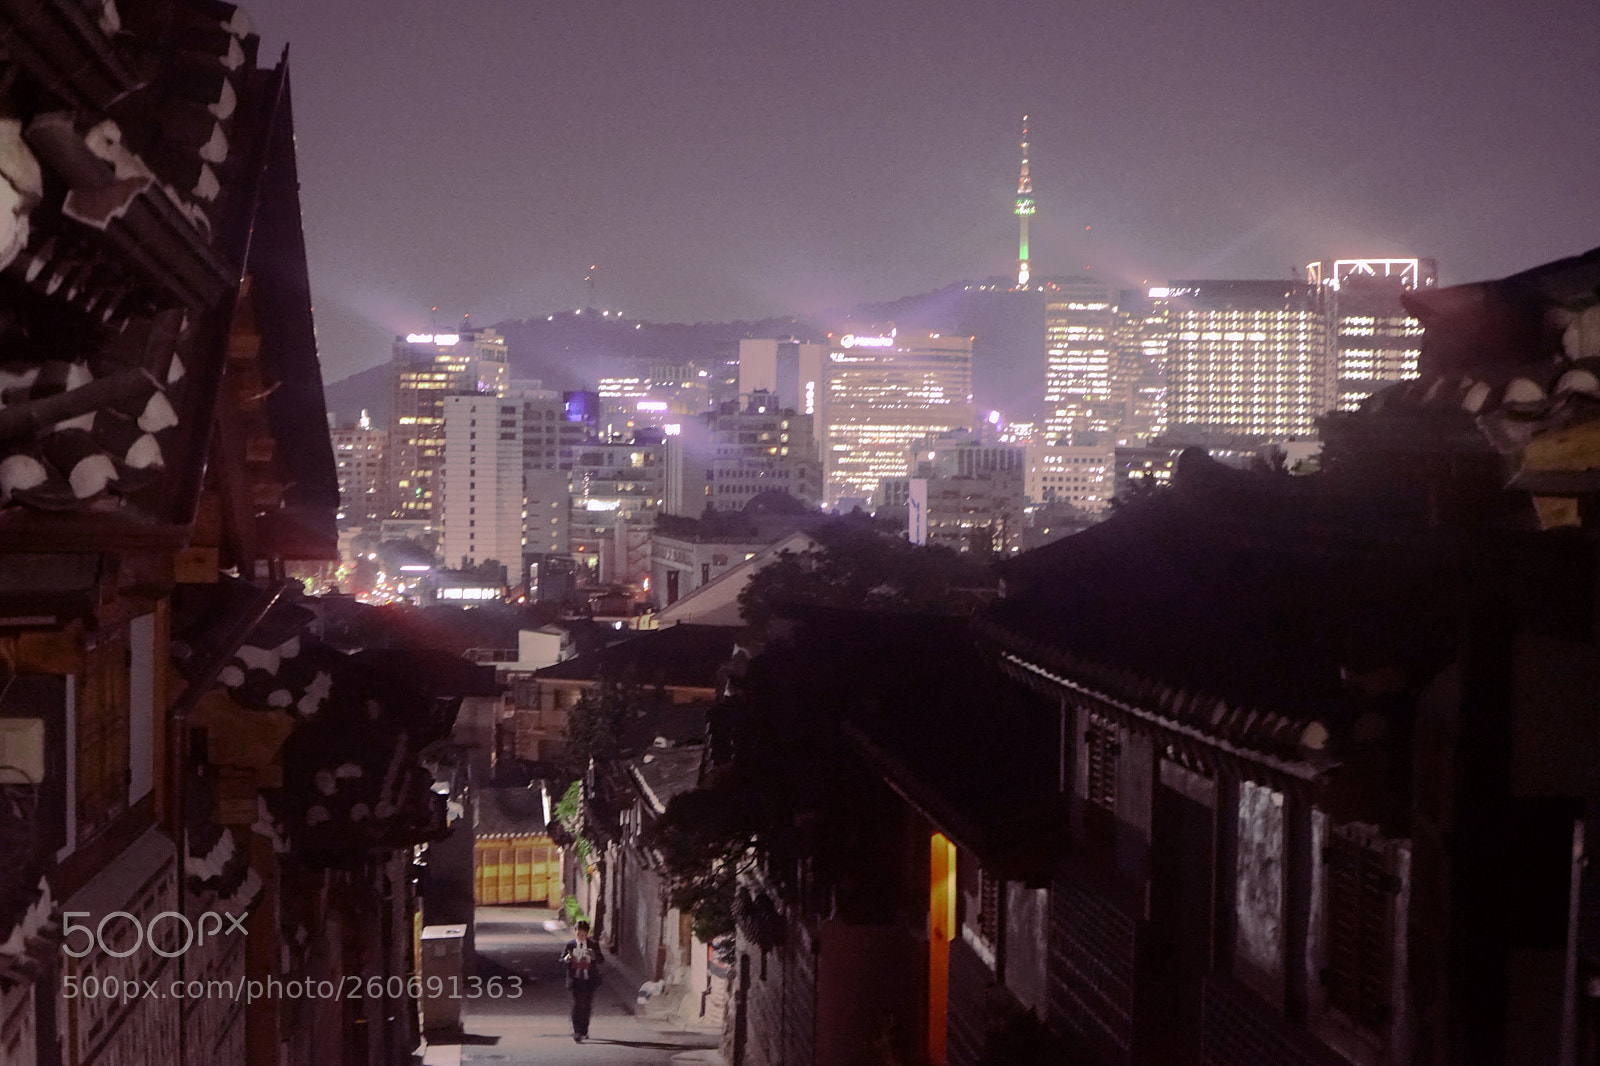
{"x":1360,"y":891}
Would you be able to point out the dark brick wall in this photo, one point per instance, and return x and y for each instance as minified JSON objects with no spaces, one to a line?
{"x":779,"y":1003}
{"x":1093,"y":951}
{"x":970,"y":984}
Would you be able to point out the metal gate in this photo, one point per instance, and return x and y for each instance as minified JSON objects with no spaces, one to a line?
{"x":516,"y":869}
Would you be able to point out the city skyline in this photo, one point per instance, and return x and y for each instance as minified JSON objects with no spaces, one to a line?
{"x":736,"y":162}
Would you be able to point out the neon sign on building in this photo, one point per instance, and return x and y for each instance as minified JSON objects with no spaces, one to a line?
{"x":851,"y":340}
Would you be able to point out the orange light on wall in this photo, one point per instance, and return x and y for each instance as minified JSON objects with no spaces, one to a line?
{"x":941,"y":930}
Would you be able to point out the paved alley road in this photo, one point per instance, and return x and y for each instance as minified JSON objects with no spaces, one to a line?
{"x":535,"y":1029}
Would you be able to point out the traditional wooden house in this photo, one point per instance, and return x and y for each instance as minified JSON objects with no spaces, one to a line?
{"x":903,"y":793}
{"x":1308,"y":774}
{"x":1331,"y":741}
{"x":175,"y":744}
{"x":677,"y":664}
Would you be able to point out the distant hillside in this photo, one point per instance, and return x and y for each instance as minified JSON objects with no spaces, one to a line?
{"x":367,"y":389}
{"x":570,"y":351}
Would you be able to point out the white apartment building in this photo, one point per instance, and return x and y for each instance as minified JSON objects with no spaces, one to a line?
{"x":480,"y":497}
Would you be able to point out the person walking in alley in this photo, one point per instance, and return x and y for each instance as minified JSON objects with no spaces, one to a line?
{"x":583,"y":960}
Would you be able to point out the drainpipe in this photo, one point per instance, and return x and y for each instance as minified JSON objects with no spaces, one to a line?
{"x":1569,"y":996}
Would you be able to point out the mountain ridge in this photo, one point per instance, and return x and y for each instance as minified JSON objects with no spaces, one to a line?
{"x":570,"y":350}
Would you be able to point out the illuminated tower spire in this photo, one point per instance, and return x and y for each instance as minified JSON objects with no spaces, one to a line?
{"x":1025,"y":207}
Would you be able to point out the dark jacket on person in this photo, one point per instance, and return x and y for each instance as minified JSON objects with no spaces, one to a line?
{"x":579,"y":967}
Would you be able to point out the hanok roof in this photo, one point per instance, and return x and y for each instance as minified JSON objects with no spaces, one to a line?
{"x":1510,"y":368}
{"x":916,"y":696}
{"x":665,"y":772}
{"x":1238,"y":608}
{"x":684,"y":656}
{"x":140,"y":151}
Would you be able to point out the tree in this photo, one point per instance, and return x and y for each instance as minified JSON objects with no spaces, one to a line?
{"x":859,"y":567}
{"x":596,"y":721}
{"x":705,"y":838}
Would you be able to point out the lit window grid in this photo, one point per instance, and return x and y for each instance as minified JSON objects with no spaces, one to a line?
{"x":1250,"y":372}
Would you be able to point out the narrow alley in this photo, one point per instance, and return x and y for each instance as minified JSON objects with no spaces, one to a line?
{"x":534,"y":1028}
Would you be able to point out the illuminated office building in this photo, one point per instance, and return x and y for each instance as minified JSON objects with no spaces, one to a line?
{"x":1140,"y":334}
{"x":1079,"y":475}
{"x":358,"y":452}
{"x":1079,"y":393}
{"x":981,"y":513}
{"x":970,"y":490}
{"x":759,"y":446}
{"x":478,"y":487}
{"x":549,"y":437}
{"x":885,"y":391}
{"x":660,"y":396}
{"x":1375,"y":341}
{"x":617,"y":491}
{"x":1246,"y":358}
{"x":426,"y":368}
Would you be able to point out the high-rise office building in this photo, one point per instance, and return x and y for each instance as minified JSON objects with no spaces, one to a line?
{"x":617,"y":488}
{"x":759,"y":446}
{"x":479,"y":485}
{"x":982,"y":513}
{"x":1375,"y":341}
{"x":549,"y":443}
{"x":358,"y":451}
{"x":426,"y":368}
{"x":790,"y":371}
{"x":549,"y":436}
{"x":972,"y":491}
{"x":884,"y":391}
{"x":1140,"y":334}
{"x":547,"y":506}
{"x":1079,"y":395}
{"x":1246,"y":358}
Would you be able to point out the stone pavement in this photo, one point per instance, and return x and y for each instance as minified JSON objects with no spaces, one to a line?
{"x":534,"y":1027}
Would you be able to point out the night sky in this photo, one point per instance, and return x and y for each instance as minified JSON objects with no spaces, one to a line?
{"x":739,"y":160}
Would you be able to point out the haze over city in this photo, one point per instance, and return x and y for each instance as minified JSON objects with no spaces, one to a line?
{"x":740,"y":160}
{"x":691,"y":533}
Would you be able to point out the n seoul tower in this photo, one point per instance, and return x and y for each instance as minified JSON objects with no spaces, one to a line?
{"x":1025,"y":207}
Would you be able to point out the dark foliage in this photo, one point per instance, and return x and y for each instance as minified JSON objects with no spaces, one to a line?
{"x":859,"y":567}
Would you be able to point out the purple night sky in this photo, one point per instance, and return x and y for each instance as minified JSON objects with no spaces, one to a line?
{"x":737,"y":160}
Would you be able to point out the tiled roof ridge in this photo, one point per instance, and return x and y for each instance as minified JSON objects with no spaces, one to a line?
{"x":1288,"y":743}
{"x":1561,"y":391}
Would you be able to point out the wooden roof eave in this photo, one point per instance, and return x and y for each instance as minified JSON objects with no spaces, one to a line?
{"x":60,"y":47}
{"x":1306,"y":777}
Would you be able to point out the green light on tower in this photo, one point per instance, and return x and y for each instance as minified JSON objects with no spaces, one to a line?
{"x":1025,"y":207}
